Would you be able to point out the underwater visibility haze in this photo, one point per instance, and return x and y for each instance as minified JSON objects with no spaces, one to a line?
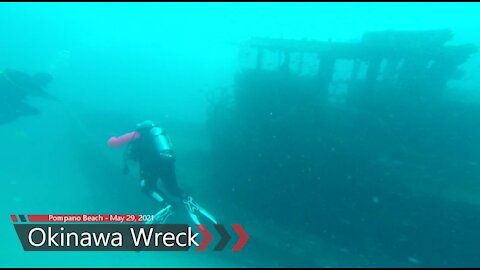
{"x":336,"y":134}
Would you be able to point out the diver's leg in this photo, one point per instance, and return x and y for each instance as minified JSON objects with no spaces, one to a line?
{"x":169,"y":179}
{"x":169,"y":176}
{"x":148,"y":184}
{"x":9,"y":110}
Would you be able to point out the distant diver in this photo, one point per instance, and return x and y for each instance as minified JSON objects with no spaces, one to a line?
{"x":151,"y":147}
{"x":15,"y":88}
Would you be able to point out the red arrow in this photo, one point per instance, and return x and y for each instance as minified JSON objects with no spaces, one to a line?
{"x":207,"y":237}
{"x":243,"y":237}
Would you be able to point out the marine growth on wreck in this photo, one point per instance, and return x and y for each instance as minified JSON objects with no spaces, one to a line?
{"x":337,"y":129}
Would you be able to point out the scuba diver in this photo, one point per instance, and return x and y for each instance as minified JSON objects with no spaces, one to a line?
{"x":15,"y":88}
{"x":151,"y":148}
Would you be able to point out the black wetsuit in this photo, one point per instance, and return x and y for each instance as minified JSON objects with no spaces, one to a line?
{"x":156,"y":159}
{"x":155,"y":165}
{"x":15,"y":87}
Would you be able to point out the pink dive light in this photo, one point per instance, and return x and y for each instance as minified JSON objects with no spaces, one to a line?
{"x":115,"y":142}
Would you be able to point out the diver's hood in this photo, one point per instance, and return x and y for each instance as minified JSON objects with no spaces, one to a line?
{"x":145,"y":125}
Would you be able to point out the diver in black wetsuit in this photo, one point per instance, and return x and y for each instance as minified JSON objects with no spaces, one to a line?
{"x":15,"y":88}
{"x":152,"y":149}
{"x":154,"y":154}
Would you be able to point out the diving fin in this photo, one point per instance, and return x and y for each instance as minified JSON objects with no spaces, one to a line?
{"x":194,"y":210}
{"x":161,"y":216}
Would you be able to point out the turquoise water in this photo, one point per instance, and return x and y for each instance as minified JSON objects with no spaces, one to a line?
{"x":346,"y":187}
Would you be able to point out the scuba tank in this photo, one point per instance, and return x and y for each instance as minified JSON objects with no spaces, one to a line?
{"x":159,"y":142}
{"x":147,"y":129}
{"x":160,"y":139}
